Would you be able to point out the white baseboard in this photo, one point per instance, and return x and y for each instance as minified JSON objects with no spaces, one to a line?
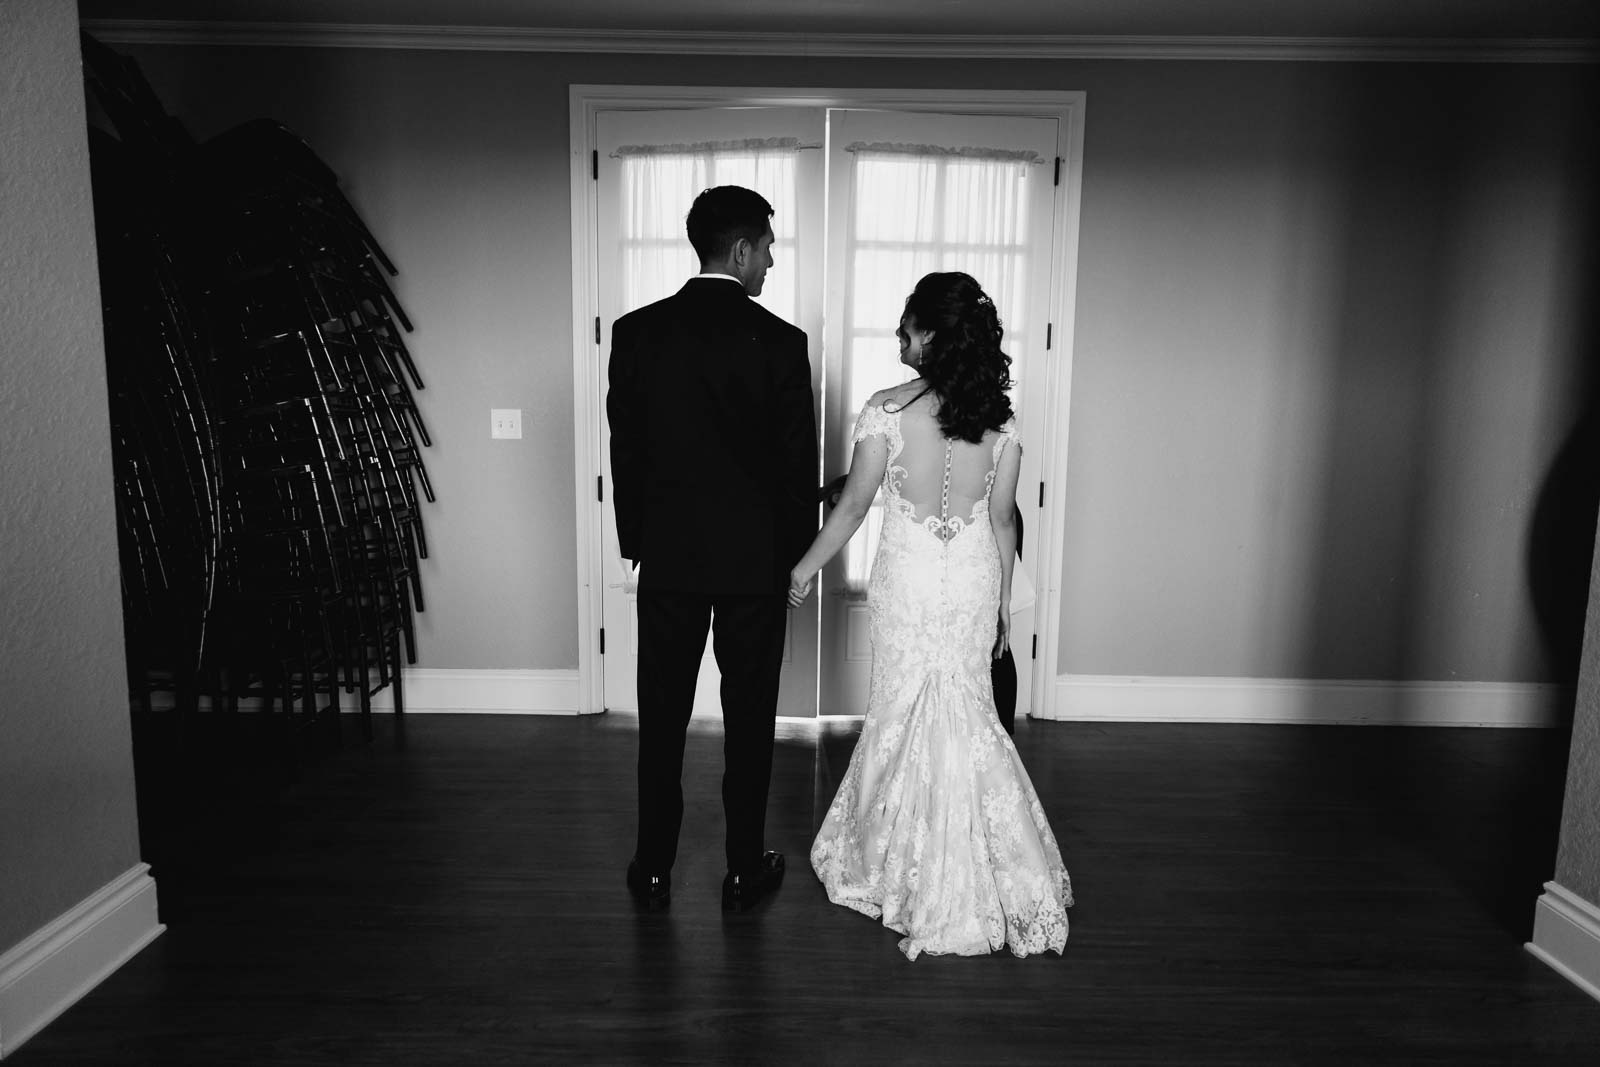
{"x":1118,"y":698}
{"x":481,"y":692}
{"x":53,"y":968}
{"x":431,"y":691}
{"x":1566,"y":935}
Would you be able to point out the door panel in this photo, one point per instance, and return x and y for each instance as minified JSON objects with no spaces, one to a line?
{"x":912,"y":193}
{"x":652,"y":164}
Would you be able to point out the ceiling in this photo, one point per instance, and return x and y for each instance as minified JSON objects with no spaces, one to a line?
{"x":1391,"y":19}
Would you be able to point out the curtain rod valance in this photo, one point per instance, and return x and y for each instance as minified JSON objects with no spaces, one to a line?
{"x":698,"y":148}
{"x":997,"y":155}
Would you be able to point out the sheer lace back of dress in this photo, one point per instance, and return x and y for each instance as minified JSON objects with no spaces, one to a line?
{"x":941,"y":484}
{"x":936,"y":828}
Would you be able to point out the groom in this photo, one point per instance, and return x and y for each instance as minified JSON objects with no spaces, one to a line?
{"x":713,"y":466}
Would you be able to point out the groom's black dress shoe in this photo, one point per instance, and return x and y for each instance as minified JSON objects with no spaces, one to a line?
{"x":741,"y":891}
{"x":653,"y":892}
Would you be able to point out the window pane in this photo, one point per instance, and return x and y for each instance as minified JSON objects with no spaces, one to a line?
{"x":772,"y":174}
{"x":912,"y":215}
{"x":874,"y":364}
{"x":881,"y":279}
{"x":657,"y":190}
{"x":895,"y":198}
{"x":655,"y":270}
{"x":985,"y":202}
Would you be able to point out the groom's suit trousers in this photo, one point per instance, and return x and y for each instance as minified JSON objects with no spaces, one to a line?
{"x":747,"y":638}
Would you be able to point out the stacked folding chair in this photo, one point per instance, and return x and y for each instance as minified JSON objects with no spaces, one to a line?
{"x":267,"y":440}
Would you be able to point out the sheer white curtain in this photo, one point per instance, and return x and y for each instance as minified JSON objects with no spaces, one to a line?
{"x":659,"y":182}
{"x":916,"y":209}
{"x":913,"y":208}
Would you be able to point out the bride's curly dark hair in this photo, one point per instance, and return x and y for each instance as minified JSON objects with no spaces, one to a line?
{"x":963,"y":363}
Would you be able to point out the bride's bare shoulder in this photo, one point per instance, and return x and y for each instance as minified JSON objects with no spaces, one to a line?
{"x":897,"y":396}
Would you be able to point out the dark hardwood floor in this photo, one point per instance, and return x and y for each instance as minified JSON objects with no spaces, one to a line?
{"x":1265,"y":895}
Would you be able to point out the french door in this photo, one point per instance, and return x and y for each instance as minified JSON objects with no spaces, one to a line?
{"x":910,"y":194}
{"x":866,"y":202}
{"x":650,"y":165}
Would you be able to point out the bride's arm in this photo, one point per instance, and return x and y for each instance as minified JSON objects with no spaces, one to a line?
{"x":1003,"y":515}
{"x":866,"y":474}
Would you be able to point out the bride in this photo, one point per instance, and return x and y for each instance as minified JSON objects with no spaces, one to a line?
{"x":936,"y":827}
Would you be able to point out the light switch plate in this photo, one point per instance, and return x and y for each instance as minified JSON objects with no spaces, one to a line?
{"x":505,"y":424}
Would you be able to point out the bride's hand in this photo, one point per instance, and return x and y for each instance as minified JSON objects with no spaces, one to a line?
{"x":799,"y":589}
{"x":1002,"y":639}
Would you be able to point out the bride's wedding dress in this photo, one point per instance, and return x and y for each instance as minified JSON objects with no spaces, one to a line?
{"x":936,"y":827}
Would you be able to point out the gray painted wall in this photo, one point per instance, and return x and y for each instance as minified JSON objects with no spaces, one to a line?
{"x":1330,"y":343}
{"x":1578,"y":854}
{"x":1327,"y":347}
{"x":67,"y":824}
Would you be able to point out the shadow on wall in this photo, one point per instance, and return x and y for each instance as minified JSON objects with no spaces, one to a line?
{"x":1561,"y":533}
{"x":1468,"y":219}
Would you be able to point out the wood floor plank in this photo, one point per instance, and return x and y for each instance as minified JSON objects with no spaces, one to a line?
{"x":1246,"y":895}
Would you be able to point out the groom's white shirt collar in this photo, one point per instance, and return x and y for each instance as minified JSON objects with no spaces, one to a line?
{"x":727,"y":277}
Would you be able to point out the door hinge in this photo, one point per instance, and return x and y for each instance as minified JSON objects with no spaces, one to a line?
{"x":597,"y":167}
{"x":597,"y":329}
{"x":1041,"y":494}
{"x":1058,"y":170}
{"x":1035,"y":646}
{"x":600,"y":488}
{"x":1049,"y":335}
{"x":602,"y":640}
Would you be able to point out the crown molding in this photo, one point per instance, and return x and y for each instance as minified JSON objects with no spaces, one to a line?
{"x":944,"y":46}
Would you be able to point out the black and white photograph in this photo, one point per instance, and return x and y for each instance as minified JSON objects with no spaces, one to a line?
{"x":799,"y":532}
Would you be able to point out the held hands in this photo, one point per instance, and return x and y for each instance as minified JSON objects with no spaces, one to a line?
{"x":799,"y":588}
{"x":1002,"y":639}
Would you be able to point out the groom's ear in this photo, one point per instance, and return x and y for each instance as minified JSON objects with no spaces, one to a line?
{"x":742,"y":248}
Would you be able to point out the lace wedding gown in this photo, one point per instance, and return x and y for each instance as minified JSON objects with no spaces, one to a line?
{"x":936,"y":826}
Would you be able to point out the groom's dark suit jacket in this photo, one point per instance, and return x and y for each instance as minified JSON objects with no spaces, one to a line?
{"x":713,"y":442}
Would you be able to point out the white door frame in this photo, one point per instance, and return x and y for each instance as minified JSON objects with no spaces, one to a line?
{"x":588,"y":362}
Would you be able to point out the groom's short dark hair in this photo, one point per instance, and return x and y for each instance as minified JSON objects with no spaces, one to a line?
{"x":721,"y":216}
